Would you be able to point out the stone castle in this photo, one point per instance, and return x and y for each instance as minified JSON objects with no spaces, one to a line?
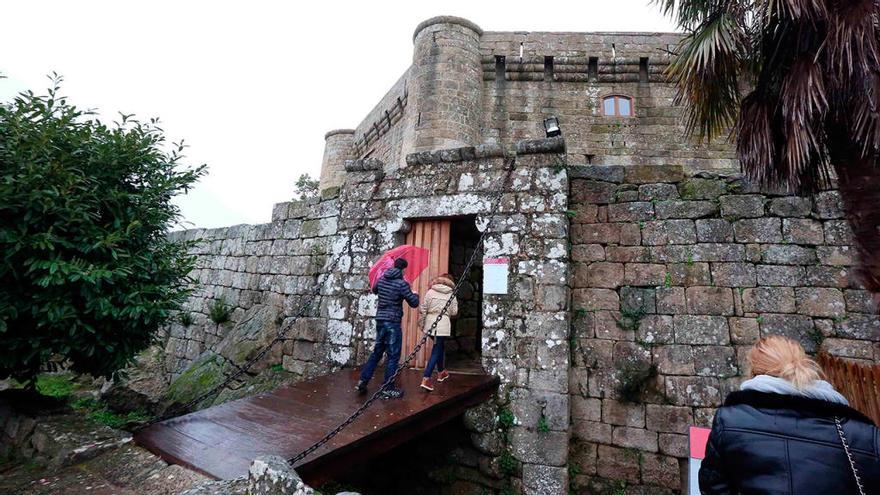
{"x":640,"y":265}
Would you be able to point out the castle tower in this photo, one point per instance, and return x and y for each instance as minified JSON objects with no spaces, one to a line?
{"x":447,"y":80}
{"x":338,"y":147}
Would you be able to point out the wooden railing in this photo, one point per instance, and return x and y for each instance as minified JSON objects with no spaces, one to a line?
{"x":859,"y":383}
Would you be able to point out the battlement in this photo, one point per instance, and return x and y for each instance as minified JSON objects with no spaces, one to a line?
{"x":468,"y":87}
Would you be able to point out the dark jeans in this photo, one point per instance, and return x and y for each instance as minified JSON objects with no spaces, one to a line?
{"x":437,"y":356}
{"x":388,"y":339}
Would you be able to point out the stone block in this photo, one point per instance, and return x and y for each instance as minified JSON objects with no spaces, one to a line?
{"x":598,"y":275}
{"x":819,"y":301}
{"x":780,"y":254}
{"x":634,"y":438}
{"x":586,"y":253}
{"x":661,"y":470}
{"x":644,"y":274}
{"x":790,"y":206}
{"x":836,"y":255}
{"x":646,"y":174}
{"x":628,"y":254}
{"x":609,"y":325}
{"x":759,"y":230}
{"x":489,"y":443}
{"x":649,"y":192}
{"x":714,"y":230}
{"x":663,"y":232}
{"x":595,"y":299}
{"x":539,"y":479}
{"x":598,"y":233}
{"x":672,"y":419}
{"x":655,"y":329}
{"x":743,"y":330}
{"x":630,"y":212}
{"x":637,"y":299}
{"x":548,"y":448}
{"x":630,"y":234}
{"x":802,"y":231}
{"x":671,"y":300}
{"x":742,"y":206}
{"x":796,"y":327}
{"x":674,"y":359}
{"x":709,"y":300}
{"x":592,"y":192}
{"x":853,"y":349}
{"x":272,"y":475}
{"x":618,"y":464}
{"x":684,"y":209}
{"x":717,"y":361}
{"x":591,"y":431}
{"x":619,"y":413}
{"x":781,"y":275}
{"x":585,"y":408}
{"x":861,"y":327}
{"x":688,"y":274}
{"x":838,"y":232}
{"x":701,"y":329}
{"x":674,"y":445}
{"x":594,"y":353}
{"x":828,"y":204}
{"x":698,"y":391}
{"x":859,"y":301}
{"x":697,"y":188}
{"x":769,"y":300}
{"x":597,"y":172}
{"x":828,"y":276}
{"x":733,"y":274}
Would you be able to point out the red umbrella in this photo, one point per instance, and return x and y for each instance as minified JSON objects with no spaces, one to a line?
{"x":416,"y":257}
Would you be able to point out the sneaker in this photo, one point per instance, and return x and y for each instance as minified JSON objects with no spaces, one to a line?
{"x":361,"y":387}
{"x":442,"y":376}
{"x":427,"y":385}
{"x":394,"y":393}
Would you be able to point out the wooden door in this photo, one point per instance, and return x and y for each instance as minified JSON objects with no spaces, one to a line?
{"x":434,"y":236}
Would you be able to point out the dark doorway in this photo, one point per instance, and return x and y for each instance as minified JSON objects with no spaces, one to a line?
{"x":464,"y":348}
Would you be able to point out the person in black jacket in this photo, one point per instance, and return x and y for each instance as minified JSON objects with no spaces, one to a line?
{"x":393,"y":290}
{"x":787,"y":431}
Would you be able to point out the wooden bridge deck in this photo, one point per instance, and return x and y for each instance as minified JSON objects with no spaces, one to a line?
{"x":222,"y":441}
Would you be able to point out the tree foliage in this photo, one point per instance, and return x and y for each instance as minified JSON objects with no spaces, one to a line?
{"x":798,"y":82}
{"x":306,"y":187}
{"x":87,"y":271}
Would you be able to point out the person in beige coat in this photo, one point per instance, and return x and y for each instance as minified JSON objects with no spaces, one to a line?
{"x":433,"y":303}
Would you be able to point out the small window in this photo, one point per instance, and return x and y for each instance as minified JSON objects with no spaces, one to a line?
{"x":617,"y":106}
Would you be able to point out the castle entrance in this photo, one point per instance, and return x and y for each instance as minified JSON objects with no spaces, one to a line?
{"x":451,"y":243}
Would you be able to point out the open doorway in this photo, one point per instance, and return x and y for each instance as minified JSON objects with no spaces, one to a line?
{"x":463,"y":349}
{"x":451,"y":242}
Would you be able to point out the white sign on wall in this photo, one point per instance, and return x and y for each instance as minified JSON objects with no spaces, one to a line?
{"x":495,"y":275}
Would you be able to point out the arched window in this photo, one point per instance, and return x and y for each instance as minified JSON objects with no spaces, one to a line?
{"x":617,"y":106}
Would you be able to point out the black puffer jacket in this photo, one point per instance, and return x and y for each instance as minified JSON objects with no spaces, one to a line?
{"x":393,"y":290}
{"x":763,"y":443}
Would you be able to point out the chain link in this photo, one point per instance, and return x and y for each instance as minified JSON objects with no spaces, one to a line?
{"x":305,"y":307}
{"x":496,"y":204}
{"x":852,"y":462}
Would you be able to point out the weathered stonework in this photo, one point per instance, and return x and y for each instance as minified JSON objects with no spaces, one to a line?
{"x":637,"y":278}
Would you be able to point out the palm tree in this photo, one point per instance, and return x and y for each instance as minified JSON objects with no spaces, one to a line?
{"x":798,"y":84}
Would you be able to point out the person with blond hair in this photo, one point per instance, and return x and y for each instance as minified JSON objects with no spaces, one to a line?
{"x":787,"y":431}
{"x":438,"y":296}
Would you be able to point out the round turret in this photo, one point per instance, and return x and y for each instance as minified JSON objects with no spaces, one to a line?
{"x":338,"y":147}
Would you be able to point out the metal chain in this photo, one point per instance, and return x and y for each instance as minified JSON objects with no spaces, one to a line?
{"x":852,"y":463}
{"x":496,"y":204}
{"x":305,"y":306}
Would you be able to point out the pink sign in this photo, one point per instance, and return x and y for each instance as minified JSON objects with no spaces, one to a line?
{"x":699,"y":439}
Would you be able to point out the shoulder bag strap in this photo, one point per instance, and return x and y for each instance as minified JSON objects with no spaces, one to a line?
{"x":849,"y":457}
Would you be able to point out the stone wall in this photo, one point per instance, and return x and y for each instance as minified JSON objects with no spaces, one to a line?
{"x":543,"y":74}
{"x":674,"y":278}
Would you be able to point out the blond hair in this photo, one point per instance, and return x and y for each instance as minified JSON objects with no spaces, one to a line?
{"x":784,"y":358}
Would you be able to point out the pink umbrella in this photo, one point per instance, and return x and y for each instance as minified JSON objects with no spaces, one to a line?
{"x":417,"y":257}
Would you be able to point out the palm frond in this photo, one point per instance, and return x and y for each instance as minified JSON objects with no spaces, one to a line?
{"x":707,"y":72}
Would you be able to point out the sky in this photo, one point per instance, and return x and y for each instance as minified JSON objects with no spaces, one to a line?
{"x":253,"y":86}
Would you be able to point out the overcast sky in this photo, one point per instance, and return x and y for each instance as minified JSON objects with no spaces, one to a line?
{"x":252,"y":86}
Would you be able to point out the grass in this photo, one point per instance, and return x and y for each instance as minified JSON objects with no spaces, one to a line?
{"x":505,"y":418}
{"x":543,"y":427}
{"x":277,"y":367}
{"x":186,"y":319}
{"x":98,"y":412}
{"x":507,"y":463}
{"x":58,"y":386}
{"x":219,"y":312}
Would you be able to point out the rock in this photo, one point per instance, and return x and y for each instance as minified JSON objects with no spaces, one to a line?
{"x":250,"y":336}
{"x":481,"y":419}
{"x":235,"y":486}
{"x":272,"y":475}
{"x":208,"y":371}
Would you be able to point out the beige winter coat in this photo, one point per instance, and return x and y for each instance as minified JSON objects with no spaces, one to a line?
{"x":431,"y":306}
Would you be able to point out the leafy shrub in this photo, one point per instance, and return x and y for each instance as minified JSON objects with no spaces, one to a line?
{"x":219,"y":311}
{"x":306,"y":187}
{"x":505,"y":418}
{"x":88,"y":271}
{"x":507,"y":463}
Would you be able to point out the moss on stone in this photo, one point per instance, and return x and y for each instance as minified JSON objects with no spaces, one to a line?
{"x":205,"y":373}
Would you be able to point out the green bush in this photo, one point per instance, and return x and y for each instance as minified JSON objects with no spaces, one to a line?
{"x":88,"y":272}
{"x":219,"y":311}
